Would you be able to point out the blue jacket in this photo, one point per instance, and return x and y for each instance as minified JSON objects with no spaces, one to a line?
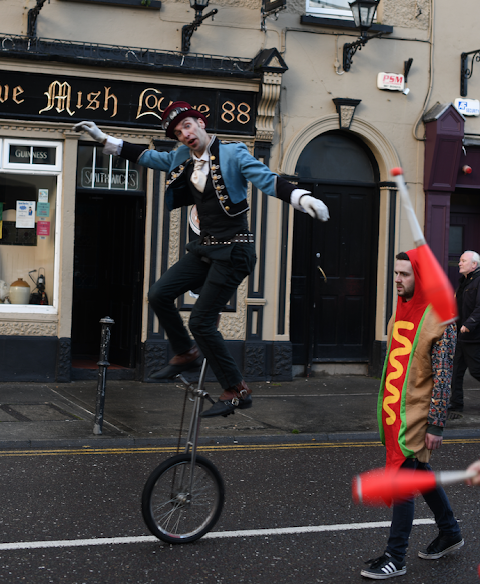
{"x":232,"y":167}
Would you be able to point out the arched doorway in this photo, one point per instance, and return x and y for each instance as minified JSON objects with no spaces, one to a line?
{"x":334,"y":264}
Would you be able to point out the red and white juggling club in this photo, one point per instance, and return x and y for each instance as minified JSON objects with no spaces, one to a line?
{"x":376,"y":487}
{"x":438,"y":289}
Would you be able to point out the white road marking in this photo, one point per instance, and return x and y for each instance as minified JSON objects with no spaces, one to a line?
{"x":25,"y":545}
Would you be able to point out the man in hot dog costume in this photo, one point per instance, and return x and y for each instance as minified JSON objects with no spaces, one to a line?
{"x":213,"y":175}
{"x":412,"y":410}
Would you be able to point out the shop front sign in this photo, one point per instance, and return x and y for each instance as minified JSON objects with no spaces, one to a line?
{"x":65,"y":98}
{"x":468,"y":107}
{"x":102,"y":179}
{"x":391,"y":81}
{"x":28,"y":155}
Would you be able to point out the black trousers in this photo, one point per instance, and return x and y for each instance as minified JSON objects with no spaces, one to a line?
{"x":218,"y":270}
{"x":467,"y":356}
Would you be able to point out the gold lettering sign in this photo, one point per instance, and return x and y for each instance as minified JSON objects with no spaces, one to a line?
{"x":93,"y":102}
{"x":239,"y":113}
{"x":109,"y":96}
{"x":16,"y":92}
{"x":59,"y":96}
{"x":3,"y":93}
{"x":152,"y":102}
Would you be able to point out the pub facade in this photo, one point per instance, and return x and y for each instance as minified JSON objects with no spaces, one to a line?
{"x":85,"y":235}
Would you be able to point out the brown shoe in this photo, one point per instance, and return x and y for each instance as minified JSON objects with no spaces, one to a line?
{"x":239,"y":396}
{"x":183,"y":362}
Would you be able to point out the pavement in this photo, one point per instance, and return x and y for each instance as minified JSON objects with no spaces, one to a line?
{"x":322,"y":408}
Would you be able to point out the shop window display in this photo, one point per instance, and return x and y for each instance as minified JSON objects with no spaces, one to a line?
{"x":28,"y":226}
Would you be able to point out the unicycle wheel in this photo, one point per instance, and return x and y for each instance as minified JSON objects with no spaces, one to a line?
{"x":177,"y":509}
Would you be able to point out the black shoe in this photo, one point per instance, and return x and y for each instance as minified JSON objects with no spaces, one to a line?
{"x":454,"y":415}
{"x":384,"y":567}
{"x":441,"y":546}
{"x":455,"y":408}
{"x":225,"y":408}
{"x":171,"y":371}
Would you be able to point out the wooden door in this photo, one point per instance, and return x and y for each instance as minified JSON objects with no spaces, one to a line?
{"x":334,"y":277}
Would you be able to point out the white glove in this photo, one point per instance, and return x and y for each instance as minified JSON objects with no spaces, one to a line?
{"x":314,"y":207}
{"x":92,"y":129}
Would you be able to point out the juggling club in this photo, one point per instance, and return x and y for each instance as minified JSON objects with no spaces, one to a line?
{"x":438,"y":290}
{"x":378,"y":486}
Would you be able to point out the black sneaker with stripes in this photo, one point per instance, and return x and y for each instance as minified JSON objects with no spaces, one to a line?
{"x":384,"y":567}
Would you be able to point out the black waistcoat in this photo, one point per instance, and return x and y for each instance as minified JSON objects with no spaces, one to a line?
{"x":213,"y":219}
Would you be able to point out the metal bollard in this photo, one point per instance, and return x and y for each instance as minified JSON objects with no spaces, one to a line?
{"x":103,"y":364}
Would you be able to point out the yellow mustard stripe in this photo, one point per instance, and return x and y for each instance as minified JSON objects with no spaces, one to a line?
{"x":215,"y":448}
{"x":405,"y":348}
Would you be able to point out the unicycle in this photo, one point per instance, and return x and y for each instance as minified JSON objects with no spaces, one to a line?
{"x":183,"y":497}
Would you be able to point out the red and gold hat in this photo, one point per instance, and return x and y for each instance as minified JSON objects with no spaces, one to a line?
{"x":175,"y":113}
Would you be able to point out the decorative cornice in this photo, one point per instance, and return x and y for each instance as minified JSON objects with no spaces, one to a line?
{"x":271,"y":85}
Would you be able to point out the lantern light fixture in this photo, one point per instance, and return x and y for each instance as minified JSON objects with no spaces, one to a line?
{"x":189,"y":29}
{"x":363,"y":14}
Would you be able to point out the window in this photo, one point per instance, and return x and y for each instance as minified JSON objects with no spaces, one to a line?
{"x":329,"y":8}
{"x":29,"y":225}
{"x":96,"y":170}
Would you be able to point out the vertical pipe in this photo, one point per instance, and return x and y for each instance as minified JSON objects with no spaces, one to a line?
{"x":103,"y":364}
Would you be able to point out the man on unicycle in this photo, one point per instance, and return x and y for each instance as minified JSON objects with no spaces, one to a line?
{"x":213,"y":175}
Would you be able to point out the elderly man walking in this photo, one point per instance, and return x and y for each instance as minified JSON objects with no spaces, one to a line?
{"x":467,"y":354}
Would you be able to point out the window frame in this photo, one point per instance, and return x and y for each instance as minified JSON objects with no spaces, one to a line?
{"x":328,"y":12}
{"x":7,"y":165}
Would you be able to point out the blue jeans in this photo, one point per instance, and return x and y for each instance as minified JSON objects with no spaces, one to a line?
{"x":403,"y":512}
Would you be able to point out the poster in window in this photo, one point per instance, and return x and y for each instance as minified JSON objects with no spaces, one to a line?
{"x":43,"y":210}
{"x":43,"y":195}
{"x":25,"y":215}
{"x":43,"y":228}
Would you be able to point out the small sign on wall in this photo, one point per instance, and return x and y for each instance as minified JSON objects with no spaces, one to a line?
{"x":468,"y":107}
{"x":391,"y":81}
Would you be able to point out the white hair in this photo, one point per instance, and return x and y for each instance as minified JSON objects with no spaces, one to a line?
{"x":475,"y":256}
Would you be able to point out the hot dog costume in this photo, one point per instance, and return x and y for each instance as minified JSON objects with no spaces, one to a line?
{"x":415,"y":386}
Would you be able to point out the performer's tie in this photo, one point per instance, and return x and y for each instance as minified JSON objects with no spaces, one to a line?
{"x":198,"y":178}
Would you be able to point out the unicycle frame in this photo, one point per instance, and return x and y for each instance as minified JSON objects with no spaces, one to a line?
{"x":198,"y":396}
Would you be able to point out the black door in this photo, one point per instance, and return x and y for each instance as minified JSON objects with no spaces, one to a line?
{"x":464,"y":231}
{"x":334,"y":263}
{"x":108,"y":274}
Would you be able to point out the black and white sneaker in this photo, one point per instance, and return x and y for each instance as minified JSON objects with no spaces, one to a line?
{"x":384,"y":567}
{"x":441,"y":546}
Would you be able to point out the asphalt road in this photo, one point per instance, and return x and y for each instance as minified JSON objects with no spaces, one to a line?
{"x":70,"y":500}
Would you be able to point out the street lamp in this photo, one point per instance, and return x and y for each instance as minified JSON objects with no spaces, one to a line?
{"x":189,"y":29}
{"x":363,"y":13}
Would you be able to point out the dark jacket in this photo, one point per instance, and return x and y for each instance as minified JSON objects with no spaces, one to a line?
{"x":468,"y":301}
